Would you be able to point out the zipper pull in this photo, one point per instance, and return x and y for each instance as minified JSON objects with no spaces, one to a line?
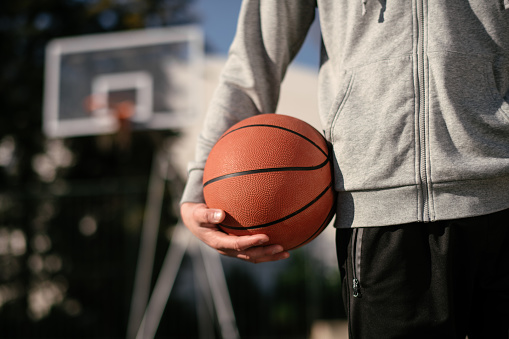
{"x":356,"y":288}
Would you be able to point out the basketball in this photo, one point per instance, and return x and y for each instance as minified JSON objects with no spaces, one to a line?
{"x":271,"y":174}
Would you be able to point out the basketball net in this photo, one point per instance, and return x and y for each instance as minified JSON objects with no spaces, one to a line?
{"x":122,"y":111}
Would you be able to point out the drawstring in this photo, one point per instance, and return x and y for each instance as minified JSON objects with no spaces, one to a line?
{"x":383,"y":6}
{"x":506,"y":4}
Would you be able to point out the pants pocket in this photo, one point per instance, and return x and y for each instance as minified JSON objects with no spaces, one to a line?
{"x":356,"y":248}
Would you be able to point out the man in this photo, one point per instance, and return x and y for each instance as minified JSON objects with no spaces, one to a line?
{"x":414,"y":99}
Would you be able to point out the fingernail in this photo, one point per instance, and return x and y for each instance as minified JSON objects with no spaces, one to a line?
{"x":217,"y":216}
{"x":277,"y":249}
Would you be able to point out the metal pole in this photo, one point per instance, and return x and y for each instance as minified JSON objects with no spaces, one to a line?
{"x":146,"y":313}
{"x":171,"y":264}
{"x":148,"y":240}
{"x":220,"y":295}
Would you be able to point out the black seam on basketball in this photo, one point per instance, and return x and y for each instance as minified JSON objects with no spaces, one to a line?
{"x":281,"y":128}
{"x":266,"y":170}
{"x":283,"y":218}
{"x":324,"y":224}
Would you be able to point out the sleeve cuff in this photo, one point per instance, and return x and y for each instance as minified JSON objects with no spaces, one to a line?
{"x":193,"y":191}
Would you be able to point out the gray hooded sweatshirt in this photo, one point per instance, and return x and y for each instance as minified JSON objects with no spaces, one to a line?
{"x":413,"y":96}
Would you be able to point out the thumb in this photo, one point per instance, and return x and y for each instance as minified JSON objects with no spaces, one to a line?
{"x":194,"y":214}
{"x":213,"y":216}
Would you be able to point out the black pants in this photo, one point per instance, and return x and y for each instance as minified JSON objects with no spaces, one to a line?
{"x":446,"y":279}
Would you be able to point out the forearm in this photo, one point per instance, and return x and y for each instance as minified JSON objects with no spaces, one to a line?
{"x":268,"y":37}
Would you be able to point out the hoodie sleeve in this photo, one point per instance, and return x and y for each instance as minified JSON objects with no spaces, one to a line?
{"x":269,"y":35}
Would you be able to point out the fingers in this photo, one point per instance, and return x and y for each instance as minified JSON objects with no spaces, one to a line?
{"x":203,"y":221}
{"x":249,"y":248}
{"x":259,"y":254}
{"x":238,"y":244}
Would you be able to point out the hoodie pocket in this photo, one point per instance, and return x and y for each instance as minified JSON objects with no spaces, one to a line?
{"x":372,"y":126}
{"x":469,"y":124}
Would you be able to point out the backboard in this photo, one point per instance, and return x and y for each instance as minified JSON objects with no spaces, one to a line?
{"x":158,"y":71}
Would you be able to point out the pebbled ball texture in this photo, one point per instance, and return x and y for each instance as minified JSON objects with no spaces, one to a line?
{"x":271,"y":174}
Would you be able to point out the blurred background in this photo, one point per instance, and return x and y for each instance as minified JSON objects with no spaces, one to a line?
{"x":73,"y":209}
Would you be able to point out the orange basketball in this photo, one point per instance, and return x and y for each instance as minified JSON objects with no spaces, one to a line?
{"x":271,"y":174}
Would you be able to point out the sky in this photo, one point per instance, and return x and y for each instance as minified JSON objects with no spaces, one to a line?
{"x":219,"y":20}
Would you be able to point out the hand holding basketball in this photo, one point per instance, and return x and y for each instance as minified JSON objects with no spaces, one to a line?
{"x":271,"y":174}
{"x":202,"y":222}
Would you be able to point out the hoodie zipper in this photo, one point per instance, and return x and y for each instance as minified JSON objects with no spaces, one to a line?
{"x":356,"y":261}
{"x":422,"y":120}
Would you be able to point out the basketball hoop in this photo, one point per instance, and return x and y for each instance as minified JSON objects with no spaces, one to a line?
{"x":120,"y":113}
{"x":124,"y":111}
{"x":160,"y":68}
{"x":94,"y":102}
